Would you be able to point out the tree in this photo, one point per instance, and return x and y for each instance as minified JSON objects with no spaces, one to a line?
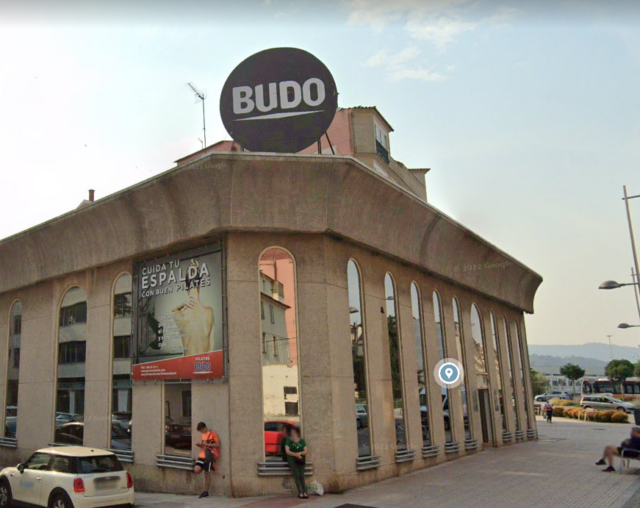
{"x":572,"y":372}
{"x":619,"y":370}
{"x":538,"y":382}
{"x":637,"y":371}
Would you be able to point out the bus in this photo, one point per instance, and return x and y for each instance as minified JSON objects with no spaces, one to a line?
{"x":631,"y":386}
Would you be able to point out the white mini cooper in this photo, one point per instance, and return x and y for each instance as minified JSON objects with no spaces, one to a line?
{"x":67,"y":477}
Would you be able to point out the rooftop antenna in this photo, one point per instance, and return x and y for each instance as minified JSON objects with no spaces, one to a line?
{"x":201,"y":96}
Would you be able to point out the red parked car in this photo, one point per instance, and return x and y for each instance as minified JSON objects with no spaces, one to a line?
{"x":274,"y":433}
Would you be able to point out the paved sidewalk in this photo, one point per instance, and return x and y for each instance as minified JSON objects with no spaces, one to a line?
{"x":557,"y":471}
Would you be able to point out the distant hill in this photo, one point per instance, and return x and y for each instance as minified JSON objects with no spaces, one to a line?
{"x":593,"y":356}
{"x":547,"y":364}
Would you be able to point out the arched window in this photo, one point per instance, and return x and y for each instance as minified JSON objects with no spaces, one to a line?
{"x":466,"y":401}
{"x":416,"y":310}
{"x":279,"y":347}
{"x":13,"y":370}
{"x":442,"y":354}
{"x":357,"y":333}
{"x":479,"y":360}
{"x":121,"y":389}
{"x":72,"y":353}
{"x":395,"y":355}
{"x":499,"y":376}
{"x":512,"y":373}
{"x":520,"y":352}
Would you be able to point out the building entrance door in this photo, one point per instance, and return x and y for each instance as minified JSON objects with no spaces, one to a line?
{"x":485,"y":417}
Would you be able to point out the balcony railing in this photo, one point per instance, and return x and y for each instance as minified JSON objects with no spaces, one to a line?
{"x":382,"y":151}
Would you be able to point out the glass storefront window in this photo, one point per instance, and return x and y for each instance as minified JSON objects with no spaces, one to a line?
{"x":512,"y":373}
{"x":359,"y":355}
{"x":416,"y":310}
{"x":177,"y":419}
{"x":464,"y":387}
{"x":520,"y":352}
{"x":442,"y":354}
{"x":121,"y":389}
{"x":479,"y":359}
{"x":279,"y":348}
{"x":499,"y":376}
{"x":395,"y":356}
{"x":13,"y":370}
{"x":72,"y":348}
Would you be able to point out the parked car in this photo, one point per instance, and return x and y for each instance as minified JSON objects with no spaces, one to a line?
{"x":178,"y":432}
{"x":424,"y":412}
{"x":556,"y":394}
{"x":120,"y":438}
{"x":606,"y":402}
{"x":67,"y":477}
{"x":362,"y":416}
{"x":542,"y":398}
{"x":73,"y":433}
{"x":70,"y":433}
{"x":62,"y":418}
{"x":10,"y":421}
{"x":123,"y":419}
{"x":274,"y":433}
{"x":10,"y":427}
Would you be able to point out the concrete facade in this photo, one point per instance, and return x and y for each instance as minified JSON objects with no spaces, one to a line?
{"x":328,"y":210}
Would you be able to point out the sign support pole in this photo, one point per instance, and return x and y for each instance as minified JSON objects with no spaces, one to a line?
{"x":329,"y":141}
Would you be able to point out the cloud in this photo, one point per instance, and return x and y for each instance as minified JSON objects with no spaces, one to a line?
{"x":440,"y":22}
{"x":402,"y":65}
{"x":440,"y":31}
{"x":399,"y":59}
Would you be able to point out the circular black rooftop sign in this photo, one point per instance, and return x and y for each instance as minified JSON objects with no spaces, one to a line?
{"x":279,"y":100}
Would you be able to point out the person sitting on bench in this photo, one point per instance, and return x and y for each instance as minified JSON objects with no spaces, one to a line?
{"x":631,"y":448}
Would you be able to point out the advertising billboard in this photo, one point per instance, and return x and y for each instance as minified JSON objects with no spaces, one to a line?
{"x":278,"y":100}
{"x":178,"y":332}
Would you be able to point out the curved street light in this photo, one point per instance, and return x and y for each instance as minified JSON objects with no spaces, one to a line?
{"x":625,"y":326}
{"x":612,"y":284}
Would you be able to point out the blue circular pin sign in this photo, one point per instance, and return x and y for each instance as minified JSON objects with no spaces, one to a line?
{"x":449,"y":373}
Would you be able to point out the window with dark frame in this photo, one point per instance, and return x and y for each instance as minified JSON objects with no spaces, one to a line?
{"x":17,"y":325}
{"x":122,"y":305}
{"x":186,"y":403}
{"x":272,"y":313}
{"x":73,"y":314}
{"x":72,"y":352}
{"x":291,"y":408}
{"x":16,"y":358}
{"x":122,"y":346}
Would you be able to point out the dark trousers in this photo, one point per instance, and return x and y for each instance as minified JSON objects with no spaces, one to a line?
{"x":549,"y":415}
{"x":298,"y":475}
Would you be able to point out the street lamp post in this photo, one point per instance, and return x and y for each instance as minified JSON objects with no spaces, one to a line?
{"x":635,"y":276}
{"x":633,"y":239}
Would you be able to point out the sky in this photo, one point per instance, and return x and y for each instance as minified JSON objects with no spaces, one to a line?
{"x":527,"y":114}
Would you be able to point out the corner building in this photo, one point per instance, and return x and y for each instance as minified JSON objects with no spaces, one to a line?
{"x":340,"y":289}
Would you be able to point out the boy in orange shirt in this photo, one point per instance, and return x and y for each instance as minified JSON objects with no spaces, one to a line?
{"x":209,"y":453}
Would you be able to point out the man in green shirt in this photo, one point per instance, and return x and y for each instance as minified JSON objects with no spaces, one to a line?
{"x":296,"y":450}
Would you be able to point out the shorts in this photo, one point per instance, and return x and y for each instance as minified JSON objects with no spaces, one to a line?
{"x":206,"y":465}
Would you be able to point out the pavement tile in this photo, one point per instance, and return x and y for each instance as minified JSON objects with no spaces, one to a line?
{"x":557,"y":471}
